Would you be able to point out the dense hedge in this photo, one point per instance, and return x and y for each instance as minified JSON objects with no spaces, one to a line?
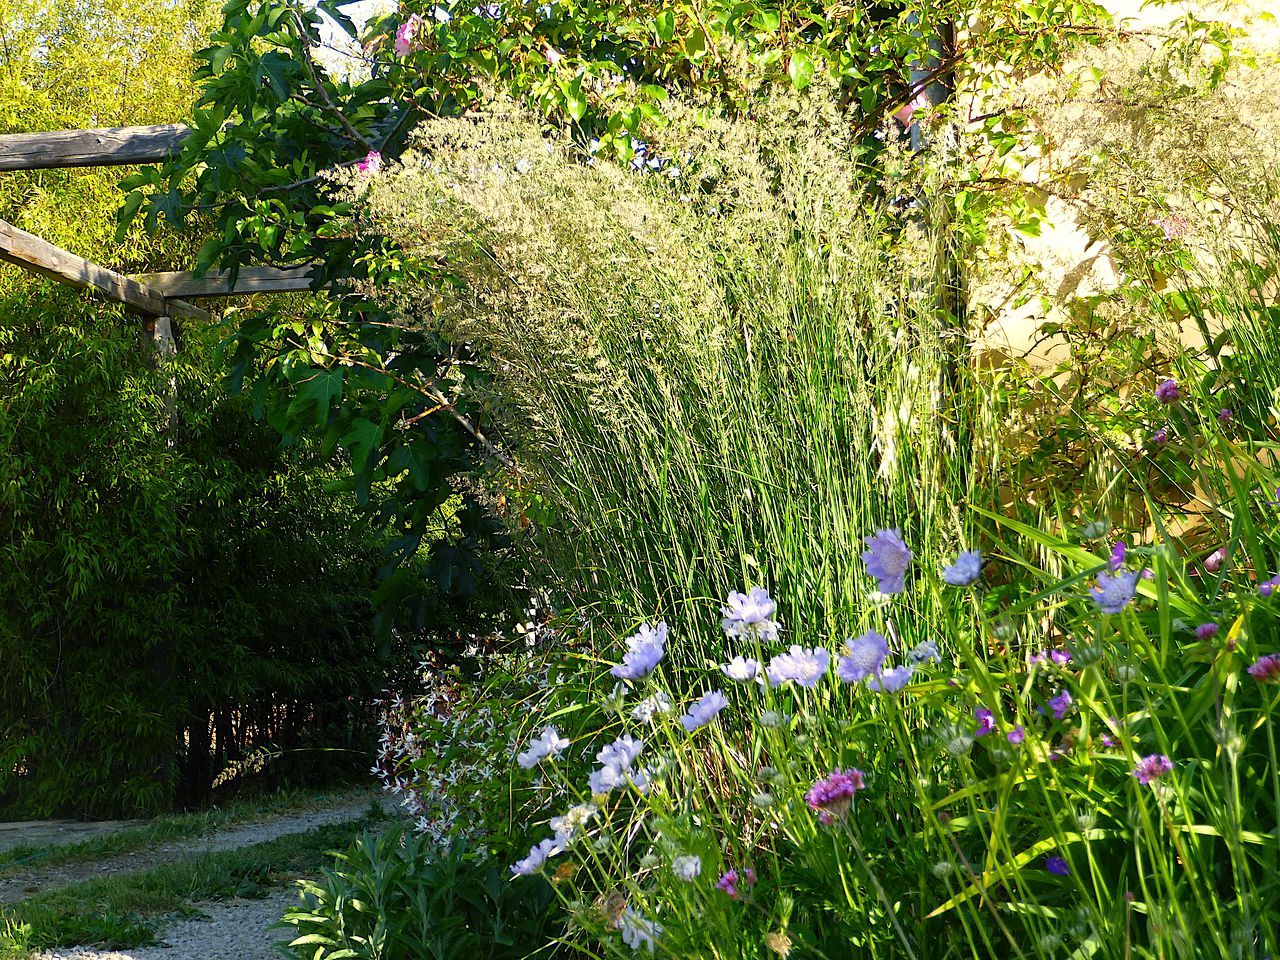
{"x":171,"y":596}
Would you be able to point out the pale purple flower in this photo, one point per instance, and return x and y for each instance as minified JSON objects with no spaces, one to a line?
{"x":749,"y":616}
{"x":651,"y":706}
{"x":548,"y":744}
{"x":1160,"y":437}
{"x":866,"y":655}
{"x":704,"y":711}
{"x":1266,"y":669}
{"x":1152,"y":767}
{"x":729,"y":880}
{"x":986,"y":721}
{"x":1225,"y":415}
{"x":370,"y":165}
{"x":1114,"y":591}
{"x":687,"y":867}
{"x":1206,"y":630}
{"x":1060,"y":704}
{"x":1060,"y":657}
{"x":887,"y":558}
{"x":806,"y":667}
{"x":1058,"y":865}
{"x":891,"y":680}
{"x":1016,"y":735}
{"x":741,"y":669}
{"x":923,"y":652}
{"x":1168,"y":391}
{"x":1213,"y":562}
{"x":1266,"y":588}
{"x":615,"y":764}
{"x":965,"y":571}
{"x":405,"y":35}
{"x":644,"y":651}
{"x":1116,"y":560}
{"x":536,"y":858}
{"x":638,"y":931}
{"x":1276,"y":501}
{"x":830,"y":797}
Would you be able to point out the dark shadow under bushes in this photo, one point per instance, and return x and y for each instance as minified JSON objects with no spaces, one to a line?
{"x":172,"y":597}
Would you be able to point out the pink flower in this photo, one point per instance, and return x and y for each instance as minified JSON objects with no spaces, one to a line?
{"x":830,"y":797}
{"x":1213,"y":562}
{"x":371,"y":164}
{"x":405,"y":35}
{"x":1266,"y":669}
{"x":728,"y":882}
{"x":1172,"y":226}
{"x":1152,"y":768}
{"x":905,"y":112}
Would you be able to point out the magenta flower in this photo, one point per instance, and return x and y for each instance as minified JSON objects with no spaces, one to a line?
{"x":1117,"y":556}
{"x":1225,"y":415}
{"x":1213,"y":562}
{"x":1168,"y":391}
{"x":1058,"y":865}
{"x":986,"y":721}
{"x":370,"y":165}
{"x":1016,"y":735}
{"x":830,"y":797}
{"x":887,"y":557}
{"x":1171,"y":225}
{"x":908,"y":110}
{"x":1266,"y":669}
{"x":1152,"y":767}
{"x":1160,"y":437}
{"x":1206,"y":630}
{"x":729,"y":880}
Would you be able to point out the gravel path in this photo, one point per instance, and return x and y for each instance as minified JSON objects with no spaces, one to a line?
{"x":19,"y":886}
{"x":231,"y":930}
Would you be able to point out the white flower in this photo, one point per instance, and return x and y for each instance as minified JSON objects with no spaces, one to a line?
{"x":704,"y":711}
{"x":536,"y":858}
{"x":741,"y":669}
{"x":568,"y":826}
{"x":687,"y":867}
{"x":638,"y":932}
{"x":650,"y":707}
{"x":924,"y":651}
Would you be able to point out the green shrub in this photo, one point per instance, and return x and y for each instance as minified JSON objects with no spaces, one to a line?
{"x":394,"y":897}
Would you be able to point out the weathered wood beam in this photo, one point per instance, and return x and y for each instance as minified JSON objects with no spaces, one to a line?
{"x":110,"y":147}
{"x":217,"y":283}
{"x":28,"y":251}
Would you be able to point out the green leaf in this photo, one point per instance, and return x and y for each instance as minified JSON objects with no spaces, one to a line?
{"x":800,"y":69}
{"x":360,"y":441}
{"x":665,"y":25}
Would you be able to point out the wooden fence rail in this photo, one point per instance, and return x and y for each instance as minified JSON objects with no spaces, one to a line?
{"x":109,"y":147}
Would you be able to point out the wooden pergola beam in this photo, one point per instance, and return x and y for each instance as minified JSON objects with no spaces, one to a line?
{"x":217,"y":283}
{"x":28,"y":251}
{"x":109,"y":147}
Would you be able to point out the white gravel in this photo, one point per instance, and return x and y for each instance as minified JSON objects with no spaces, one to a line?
{"x":230,"y":930}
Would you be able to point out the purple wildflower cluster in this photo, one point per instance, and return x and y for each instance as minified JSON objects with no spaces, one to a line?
{"x":729,"y":882}
{"x":887,"y":558}
{"x":1152,"y":768}
{"x":1168,"y":392}
{"x":645,"y":650}
{"x":831,"y":796}
{"x":616,"y":766}
{"x":749,"y":616}
{"x":1266,"y":669}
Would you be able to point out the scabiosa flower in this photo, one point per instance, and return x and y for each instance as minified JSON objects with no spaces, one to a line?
{"x":1225,"y":415}
{"x":923,"y":652}
{"x":704,"y":711}
{"x":805,"y":667}
{"x":772,"y":719}
{"x":830,"y":797}
{"x":887,"y":558}
{"x":615,"y":764}
{"x":729,"y":880}
{"x":687,"y":867}
{"x":1206,"y":630}
{"x":1160,"y":437}
{"x":651,"y":706}
{"x":749,"y":616}
{"x":536,"y":858}
{"x":370,"y":165}
{"x":405,"y":35}
{"x":1058,"y":865}
{"x":637,"y":931}
{"x":1060,"y":704}
{"x":1016,"y":735}
{"x":644,"y":651}
{"x":1168,"y":391}
{"x":891,"y":680}
{"x":1114,"y":592}
{"x":1116,"y":561}
{"x":965,"y":571}
{"x":741,"y":669}
{"x":548,"y":744}
{"x":1266,"y":669}
{"x":986,"y":721}
{"x":866,"y":656}
{"x":1152,"y":767}
{"x":568,"y":826}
